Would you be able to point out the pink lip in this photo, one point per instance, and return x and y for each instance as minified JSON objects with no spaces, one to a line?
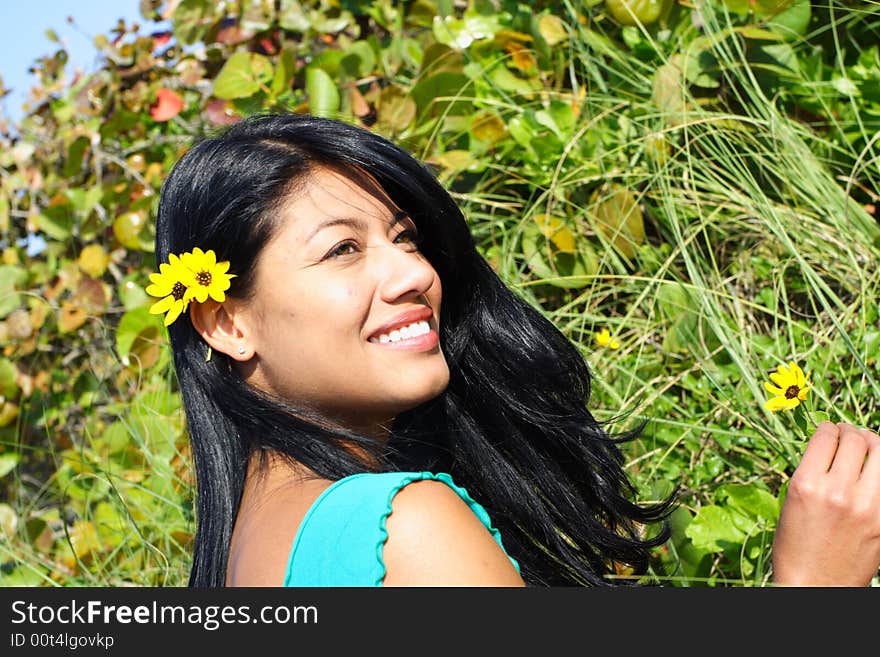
{"x":421,"y":313}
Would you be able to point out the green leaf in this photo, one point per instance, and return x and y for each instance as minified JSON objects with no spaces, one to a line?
{"x":114,"y":439}
{"x":819,"y":417}
{"x":359,"y":60}
{"x":691,"y":559}
{"x":668,"y":91}
{"x":22,"y":576}
{"x":4,"y":213}
{"x":791,"y":23}
{"x":75,"y":155}
{"x":322,"y":92}
{"x":713,"y":529}
{"x":618,"y":217}
{"x":256,"y":15}
{"x":132,"y":293}
{"x":189,"y":21}
{"x":751,"y":500}
{"x":552,"y":29}
{"x":701,"y":67}
{"x":243,"y":75}
{"x":132,"y":324}
{"x":557,"y":267}
{"x":56,"y":222}
{"x":8,"y":386}
{"x":800,"y":419}
{"x":433,"y":95}
{"x":293,"y":17}
{"x":462,"y":32}
{"x":285,"y":71}
{"x":111,"y":525}
{"x":8,"y":463}
{"x":395,"y":109}
{"x":738,"y":6}
{"x":439,"y":57}
{"x":11,"y":276}
{"x":506,"y":80}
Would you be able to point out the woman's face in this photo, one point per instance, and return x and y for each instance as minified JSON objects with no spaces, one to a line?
{"x":338,"y":290}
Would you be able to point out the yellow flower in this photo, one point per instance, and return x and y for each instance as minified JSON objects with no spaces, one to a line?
{"x":790,"y":389}
{"x":171,"y":285}
{"x":604,"y":339}
{"x":209,"y":277}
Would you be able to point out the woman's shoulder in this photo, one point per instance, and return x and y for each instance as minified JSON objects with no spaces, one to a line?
{"x":264,"y":529}
{"x":397,"y":528}
{"x":437,"y":535}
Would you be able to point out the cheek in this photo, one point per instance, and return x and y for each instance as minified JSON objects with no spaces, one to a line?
{"x":435,"y":293}
{"x":344,"y":305}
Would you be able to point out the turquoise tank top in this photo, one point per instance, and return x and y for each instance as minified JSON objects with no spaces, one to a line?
{"x":341,"y":537}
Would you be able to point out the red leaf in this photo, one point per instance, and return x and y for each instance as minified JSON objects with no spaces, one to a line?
{"x":219,"y":112}
{"x":160,"y":39}
{"x":168,"y":105}
{"x":268,"y":47}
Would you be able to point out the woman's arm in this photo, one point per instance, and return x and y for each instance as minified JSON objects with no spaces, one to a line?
{"x":829,"y":526}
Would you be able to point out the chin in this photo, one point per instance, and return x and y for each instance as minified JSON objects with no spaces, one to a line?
{"x":426,"y":391}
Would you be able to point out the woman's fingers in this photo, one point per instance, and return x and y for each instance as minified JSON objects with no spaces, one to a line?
{"x":850,"y":456}
{"x":829,"y":526}
{"x":869,"y":482}
{"x":821,"y":448}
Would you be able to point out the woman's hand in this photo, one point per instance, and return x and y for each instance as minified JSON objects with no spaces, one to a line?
{"x":829,"y":526}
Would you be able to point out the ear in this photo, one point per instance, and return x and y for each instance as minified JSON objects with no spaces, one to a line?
{"x":223,"y":326}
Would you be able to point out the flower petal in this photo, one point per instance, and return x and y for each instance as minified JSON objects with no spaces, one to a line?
{"x":769,"y":387}
{"x":161,"y":306}
{"x":791,"y":403}
{"x":158,"y":290}
{"x":775,"y":404}
{"x":782,"y":380}
{"x":175,"y":311}
{"x":200,"y":293}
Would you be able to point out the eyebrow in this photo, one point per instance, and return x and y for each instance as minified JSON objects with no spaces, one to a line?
{"x":396,"y":218}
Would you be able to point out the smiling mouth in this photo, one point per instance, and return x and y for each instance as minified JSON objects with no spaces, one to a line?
{"x":418,"y":336}
{"x":413,"y":330}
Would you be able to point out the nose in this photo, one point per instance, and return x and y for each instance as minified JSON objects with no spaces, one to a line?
{"x":404,"y":273}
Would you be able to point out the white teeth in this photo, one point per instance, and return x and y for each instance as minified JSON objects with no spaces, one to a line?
{"x":412,"y":331}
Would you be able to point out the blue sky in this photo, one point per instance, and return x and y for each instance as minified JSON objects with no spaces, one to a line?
{"x":23,"y":39}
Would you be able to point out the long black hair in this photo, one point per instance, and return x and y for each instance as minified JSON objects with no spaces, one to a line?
{"x":512,"y":427}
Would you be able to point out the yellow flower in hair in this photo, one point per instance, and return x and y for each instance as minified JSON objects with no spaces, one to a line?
{"x":604,"y":339}
{"x":209,"y":277}
{"x":171,"y":285}
{"x":790,"y":389}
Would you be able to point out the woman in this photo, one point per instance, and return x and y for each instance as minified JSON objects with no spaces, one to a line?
{"x":370,"y":404}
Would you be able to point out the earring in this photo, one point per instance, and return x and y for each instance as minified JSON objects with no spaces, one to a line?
{"x":241,"y":350}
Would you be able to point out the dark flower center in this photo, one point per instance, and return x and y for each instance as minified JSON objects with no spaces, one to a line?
{"x":203,"y":278}
{"x":178,"y":291}
{"x":792,"y":392}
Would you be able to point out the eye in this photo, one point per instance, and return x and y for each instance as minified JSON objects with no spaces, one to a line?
{"x":411,"y":236}
{"x":340,"y":249}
